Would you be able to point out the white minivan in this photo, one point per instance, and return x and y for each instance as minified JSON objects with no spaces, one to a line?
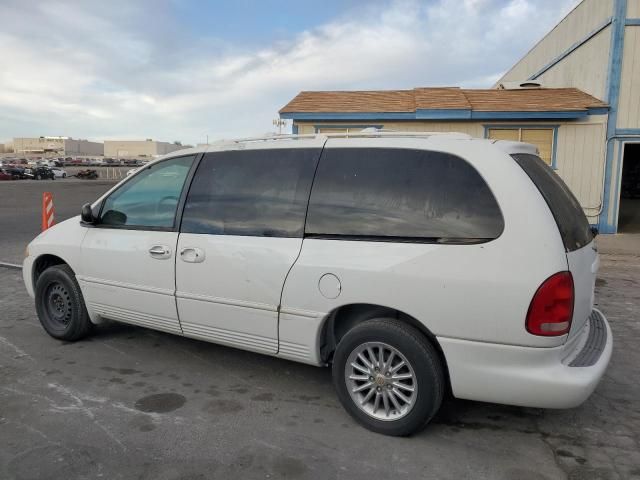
{"x":412,"y":264}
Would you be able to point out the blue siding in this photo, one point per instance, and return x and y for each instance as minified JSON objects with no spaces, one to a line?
{"x":608,"y":223}
{"x":443,"y":115}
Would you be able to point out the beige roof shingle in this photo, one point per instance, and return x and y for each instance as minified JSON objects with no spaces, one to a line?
{"x":444,"y":98}
{"x":345,"y":101}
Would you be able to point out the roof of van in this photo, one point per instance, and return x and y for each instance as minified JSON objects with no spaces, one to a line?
{"x":319,"y":138}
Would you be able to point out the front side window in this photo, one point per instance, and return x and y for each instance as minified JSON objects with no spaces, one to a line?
{"x":379,"y":194}
{"x":149,"y":199}
{"x":260,"y":193}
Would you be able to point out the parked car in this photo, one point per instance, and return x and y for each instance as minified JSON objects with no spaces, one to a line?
{"x":87,"y":174}
{"x":16,"y":172}
{"x":412,"y":264}
{"x":40,"y":173}
{"x":4,"y":175}
{"x":59,"y":172}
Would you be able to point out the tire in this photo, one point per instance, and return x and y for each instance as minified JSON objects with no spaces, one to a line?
{"x":60,"y":305}
{"x":38,"y":177}
{"x":64,"y":175}
{"x":421,"y":362}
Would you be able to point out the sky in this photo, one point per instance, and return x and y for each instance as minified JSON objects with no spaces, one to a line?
{"x":179,"y":70}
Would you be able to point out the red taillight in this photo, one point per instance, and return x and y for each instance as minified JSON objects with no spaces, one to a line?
{"x":551,"y":308}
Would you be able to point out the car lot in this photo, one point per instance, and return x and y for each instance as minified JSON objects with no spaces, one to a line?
{"x":104,"y":172}
{"x":130,"y":402}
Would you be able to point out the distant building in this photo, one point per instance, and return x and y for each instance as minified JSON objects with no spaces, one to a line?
{"x":56,"y":147}
{"x":2,"y":148}
{"x":138,"y":148}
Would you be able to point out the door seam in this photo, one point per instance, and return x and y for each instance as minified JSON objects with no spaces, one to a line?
{"x":304,"y":226}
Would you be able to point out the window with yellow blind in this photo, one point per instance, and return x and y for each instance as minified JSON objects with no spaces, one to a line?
{"x":345,"y":129}
{"x":540,"y":137}
{"x":332,"y":130}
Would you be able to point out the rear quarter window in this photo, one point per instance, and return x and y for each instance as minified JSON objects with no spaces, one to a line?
{"x":388,"y":194}
{"x":566,"y":210}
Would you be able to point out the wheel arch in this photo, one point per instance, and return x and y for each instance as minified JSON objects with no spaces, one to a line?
{"x":44,"y":261}
{"x":342,"y":319}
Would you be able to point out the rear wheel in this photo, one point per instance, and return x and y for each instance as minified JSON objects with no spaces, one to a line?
{"x":38,"y":177}
{"x":388,"y":376}
{"x":60,"y":305}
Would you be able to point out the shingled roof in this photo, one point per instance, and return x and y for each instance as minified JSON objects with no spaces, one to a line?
{"x":443,"y":102}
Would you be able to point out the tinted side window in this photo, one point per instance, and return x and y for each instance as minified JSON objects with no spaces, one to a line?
{"x":413,"y":194}
{"x":570,"y":218}
{"x":252,"y":192}
{"x":150,"y":198}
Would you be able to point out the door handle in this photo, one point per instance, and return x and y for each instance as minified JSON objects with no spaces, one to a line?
{"x":192,"y":255}
{"x":160,"y":251}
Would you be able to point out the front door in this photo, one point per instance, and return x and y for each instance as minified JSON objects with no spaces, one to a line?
{"x":241,"y":232}
{"x":128,"y":257}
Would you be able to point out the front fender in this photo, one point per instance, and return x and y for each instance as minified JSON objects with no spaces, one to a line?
{"x":63,"y":241}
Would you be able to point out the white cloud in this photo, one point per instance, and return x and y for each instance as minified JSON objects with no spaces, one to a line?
{"x":100,"y":73}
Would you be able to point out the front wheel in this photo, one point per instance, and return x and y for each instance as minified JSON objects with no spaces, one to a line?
{"x":388,"y":376}
{"x":60,"y":305}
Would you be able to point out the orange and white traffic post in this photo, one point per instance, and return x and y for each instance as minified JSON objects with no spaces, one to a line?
{"x":48,"y":216}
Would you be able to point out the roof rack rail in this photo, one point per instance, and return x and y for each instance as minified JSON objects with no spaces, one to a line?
{"x":378,"y":132}
{"x":365,"y":133}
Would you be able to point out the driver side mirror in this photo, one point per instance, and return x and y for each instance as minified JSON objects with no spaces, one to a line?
{"x":86,"y":214}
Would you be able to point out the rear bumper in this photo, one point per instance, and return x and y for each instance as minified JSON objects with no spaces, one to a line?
{"x":561,"y":377}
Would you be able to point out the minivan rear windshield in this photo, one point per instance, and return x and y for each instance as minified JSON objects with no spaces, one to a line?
{"x":570,"y":218}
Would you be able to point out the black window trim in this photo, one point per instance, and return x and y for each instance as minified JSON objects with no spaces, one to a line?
{"x":404,"y":239}
{"x":398,"y":239}
{"x":177,"y":219}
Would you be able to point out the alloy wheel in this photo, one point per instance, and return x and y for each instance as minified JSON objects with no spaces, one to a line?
{"x":381,"y":381}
